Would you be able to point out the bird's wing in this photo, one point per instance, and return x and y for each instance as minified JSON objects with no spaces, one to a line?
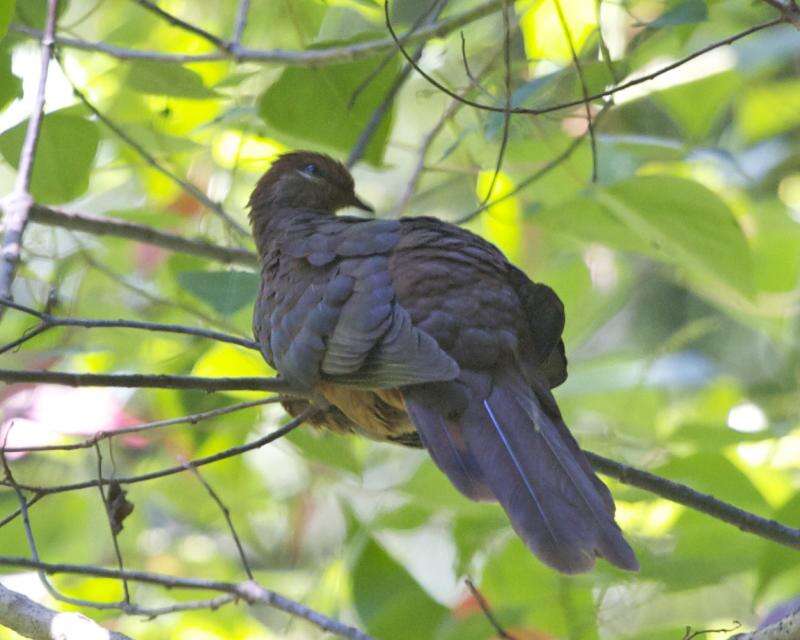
{"x":339,"y":317}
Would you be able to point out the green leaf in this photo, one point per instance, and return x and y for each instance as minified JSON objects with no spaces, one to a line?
{"x":167,"y":79}
{"x":312,"y":105}
{"x":698,"y":106}
{"x":688,"y":12}
{"x":769,"y":109}
{"x":34,"y":12}
{"x":528,"y":594}
{"x":224,"y":291}
{"x":328,"y":448}
{"x":389,"y":601}
{"x":10,"y":85}
{"x":682,"y":222}
{"x":64,"y":155}
{"x":776,"y":559}
{"x":6,"y":11}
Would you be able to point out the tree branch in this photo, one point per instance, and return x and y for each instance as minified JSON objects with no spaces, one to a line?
{"x":789,"y":11}
{"x":48,"y":321}
{"x":102,"y":225}
{"x":251,"y":592}
{"x":306,"y":58}
{"x":33,"y":620}
{"x":16,"y":206}
{"x":680,"y":493}
{"x":142,"y":381}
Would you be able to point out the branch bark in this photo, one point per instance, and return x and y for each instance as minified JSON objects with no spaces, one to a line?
{"x":33,"y":620}
{"x":17,"y":204}
{"x":142,"y":381}
{"x":251,"y":592}
{"x":102,"y":225}
{"x":306,"y":58}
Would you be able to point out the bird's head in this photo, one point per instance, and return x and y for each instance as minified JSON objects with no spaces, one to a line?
{"x":306,"y":180}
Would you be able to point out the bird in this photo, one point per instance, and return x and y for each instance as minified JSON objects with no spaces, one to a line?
{"x":418,"y":332}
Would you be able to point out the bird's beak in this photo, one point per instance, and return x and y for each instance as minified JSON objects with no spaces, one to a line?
{"x":360,"y":204}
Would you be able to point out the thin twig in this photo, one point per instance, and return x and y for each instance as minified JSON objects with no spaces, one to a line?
{"x":226,"y":513}
{"x":241,"y":23}
{"x":584,"y":87}
{"x":111,"y":520}
{"x":360,"y":146}
{"x":573,"y":103}
{"x":501,"y":153}
{"x":188,"y":187}
{"x":147,"y":426}
{"x":251,"y":592}
{"x":429,"y":138}
{"x":306,"y":58}
{"x":487,"y":611}
{"x":102,"y":225}
{"x":10,"y":481}
{"x":182,"y":24}
{"x":16,"y":206}
{"x":170,"y":471}
{"x":48,"y":321}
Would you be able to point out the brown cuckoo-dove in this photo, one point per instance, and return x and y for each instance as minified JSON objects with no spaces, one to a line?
{"x":419,"y":332}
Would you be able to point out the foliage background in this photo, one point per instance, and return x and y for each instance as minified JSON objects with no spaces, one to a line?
{"x":679,"y":269}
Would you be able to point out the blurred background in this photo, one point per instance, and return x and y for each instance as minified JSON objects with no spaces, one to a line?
{"x":679,"y":267}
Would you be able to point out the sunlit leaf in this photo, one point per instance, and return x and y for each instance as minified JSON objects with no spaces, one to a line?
{"x":62,"y":136}
{"x":313,"y":105}
{"x":168,"y":79}
{"x":388,"y":599}
{"x":226,"y":360}
{"x":225,"y":291}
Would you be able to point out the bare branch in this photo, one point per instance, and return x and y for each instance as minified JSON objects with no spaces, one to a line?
{"x":102,"y":225}
{"x":241,"y":23}
{"x":307,"y":58}
{"x":137,"y":380}
{"x":680,"y":493}
{"x":16,"y":206}
{"x":48,"y":321}
{"x":174,"y":20}
{"x":250,"y":592}
{"x":33,"y":620}
{"x":169,"y":471}
{"x":147,"y":426}
{"x":487,"y":611}
{"x":226,"y":513}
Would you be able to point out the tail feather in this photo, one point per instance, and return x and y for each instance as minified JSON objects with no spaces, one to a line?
{"x":443,"y":441}
{"x":515,"y":448}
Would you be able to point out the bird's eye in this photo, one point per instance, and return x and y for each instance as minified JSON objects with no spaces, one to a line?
{"x":312,"y":170}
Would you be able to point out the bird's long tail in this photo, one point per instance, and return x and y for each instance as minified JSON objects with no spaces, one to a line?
{"x":513,"y":446}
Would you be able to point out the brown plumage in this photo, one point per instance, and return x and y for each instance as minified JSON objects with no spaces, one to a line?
{"x":419,"y":332}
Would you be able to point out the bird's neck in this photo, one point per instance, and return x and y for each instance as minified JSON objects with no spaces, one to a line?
{"x":273,"y":221}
